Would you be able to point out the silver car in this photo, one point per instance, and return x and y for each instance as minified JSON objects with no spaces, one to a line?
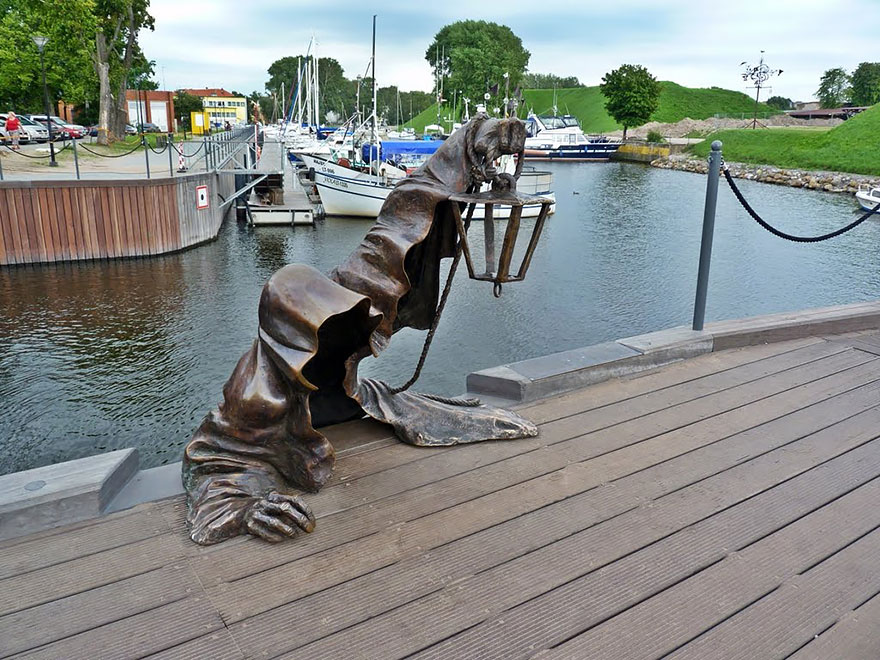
{"x":37,"y":132}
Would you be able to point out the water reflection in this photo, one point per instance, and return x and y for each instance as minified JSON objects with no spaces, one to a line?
{"x":104,"y":355}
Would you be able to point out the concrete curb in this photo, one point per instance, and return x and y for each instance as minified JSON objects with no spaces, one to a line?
{"x":529,"y":380}
{"x":64,"y":493}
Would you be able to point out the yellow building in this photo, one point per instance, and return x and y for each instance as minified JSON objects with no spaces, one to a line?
{"x":218,"y":107}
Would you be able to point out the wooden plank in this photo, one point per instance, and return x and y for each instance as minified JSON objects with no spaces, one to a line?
{"x":428,"y":570}
{"x":740,"y":554}
{"x":800,"y":609}
{"x":137,"y":239}
{"x":88,"y":213}
{"x":100,"y":215}
{"x":60,"y":580}
{"x":117,"y":221}
{"x":23,"y":555}
{"x":149,"y":632}
{"x":465,"y":603}
{"x":5,"y":253}
{"x":72,"y":222}
{"x":173,"y":217}
{"x":14,"y":235}
{"x":126,"y":226}
{"x":37,"y":626}
{"x":853,"y":637}
{"x":661,"y":624}
{"x":435,"y":496}
{"x":68,"y":249}
{"x":158,"y":219}
{"x":145,"y":221}
{"x":33,"y":211}
{"x":32,"y":250}
{"x":50,"y":212}
{"x":218,"y":645}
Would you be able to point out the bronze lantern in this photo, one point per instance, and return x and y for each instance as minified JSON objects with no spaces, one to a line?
{"x":499,"y":272}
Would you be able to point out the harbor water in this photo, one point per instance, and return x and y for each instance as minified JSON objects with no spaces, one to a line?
{"x":100,"y":356}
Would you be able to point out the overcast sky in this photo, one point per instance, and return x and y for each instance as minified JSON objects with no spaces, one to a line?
{"x":231,"y":43}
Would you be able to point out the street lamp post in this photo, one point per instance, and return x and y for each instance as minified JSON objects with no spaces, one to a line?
{"x":41,"y":42}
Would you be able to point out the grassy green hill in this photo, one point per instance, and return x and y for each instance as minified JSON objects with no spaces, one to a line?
{"x":588,"y":105}
{"x":850,"y":147}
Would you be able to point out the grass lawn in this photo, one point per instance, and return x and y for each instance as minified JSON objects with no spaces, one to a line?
{"x":850,"y":147}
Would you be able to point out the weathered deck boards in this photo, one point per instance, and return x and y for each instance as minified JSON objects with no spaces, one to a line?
{"x":721,"y":507}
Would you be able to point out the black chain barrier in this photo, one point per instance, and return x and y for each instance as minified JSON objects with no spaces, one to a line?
{"x":782,"y":234}
{"x":21,"y":153}
{"x":160,"y":151}
{"x":180,"y":150}
{"x":96,"y":153}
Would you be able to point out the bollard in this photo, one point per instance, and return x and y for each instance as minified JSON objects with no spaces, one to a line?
{"x":75,"y":158}
{"x":146,"y":153}
{"x":708,"y":233}
{"x":1,"y":168}
{"x":169,"y":146}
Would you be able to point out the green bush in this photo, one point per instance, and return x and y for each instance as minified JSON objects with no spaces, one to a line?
{"x":654,"y":136}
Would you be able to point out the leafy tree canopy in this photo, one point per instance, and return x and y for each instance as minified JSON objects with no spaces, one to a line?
{"x":632,"y":95}
{"x":866,"y":84}
{"x":69,"y":26}
{"x":780,"y":103}
{"x":548,"y":81}
{"x":834,"y":88}
{"x":475,"y":55}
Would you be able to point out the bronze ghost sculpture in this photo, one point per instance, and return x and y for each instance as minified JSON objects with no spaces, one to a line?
{"x":248,"y":458}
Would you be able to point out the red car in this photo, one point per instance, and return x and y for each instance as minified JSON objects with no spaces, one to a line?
{"x":59,"y":130}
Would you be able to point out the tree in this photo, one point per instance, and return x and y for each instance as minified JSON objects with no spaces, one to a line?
{"x":184,"y":104}
{"x":548,"y":81}
{"x":631,"y":95}
{"x":780,"y":103}
{"x":68,"y":26}
{"x":866,"y":84}
{"x":474,"y":56}
{"x":834,"y":88}
{"x":332,"y":85}
{"x":116,"y":49}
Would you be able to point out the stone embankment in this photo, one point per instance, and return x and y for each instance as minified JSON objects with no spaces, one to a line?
{"x":829,"y":181}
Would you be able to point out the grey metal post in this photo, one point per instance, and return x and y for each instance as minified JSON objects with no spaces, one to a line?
{"x":170,"y":147}
{"x":75,"y":158}
{"x":206,"y":144}
{"x":1,"y":168}
{"x":146,"y":153}
{"x":281,"y":149}
{"x":708,"y":233}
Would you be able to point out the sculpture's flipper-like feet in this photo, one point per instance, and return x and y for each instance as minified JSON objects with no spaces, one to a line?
{"x":431,"y":421}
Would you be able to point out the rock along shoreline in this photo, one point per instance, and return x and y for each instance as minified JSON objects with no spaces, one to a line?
{"x":837,"y":182}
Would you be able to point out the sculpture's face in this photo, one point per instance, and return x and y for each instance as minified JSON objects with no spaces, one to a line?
{"x":496,"y":137}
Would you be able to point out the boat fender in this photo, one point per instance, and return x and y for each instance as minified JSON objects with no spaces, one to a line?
{"x":343,"y":162}
{"x":311,"y":174}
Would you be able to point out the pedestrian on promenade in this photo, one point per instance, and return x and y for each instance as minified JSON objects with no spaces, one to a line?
{"x":13,"y":127}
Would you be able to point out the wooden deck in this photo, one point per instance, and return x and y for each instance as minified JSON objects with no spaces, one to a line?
{"x":722,"y":507}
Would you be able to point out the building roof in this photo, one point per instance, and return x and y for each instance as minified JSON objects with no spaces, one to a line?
{"x":207,"y":91}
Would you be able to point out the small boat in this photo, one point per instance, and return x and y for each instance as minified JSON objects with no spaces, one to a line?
{"x":868,"y":198}
{"x":553,"y":137}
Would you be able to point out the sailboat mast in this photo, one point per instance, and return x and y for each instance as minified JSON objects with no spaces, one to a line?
{"x":375,"y":118}
{"x":317,"y":93}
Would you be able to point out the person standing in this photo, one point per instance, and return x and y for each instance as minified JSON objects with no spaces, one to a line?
{"x":13,"y":128}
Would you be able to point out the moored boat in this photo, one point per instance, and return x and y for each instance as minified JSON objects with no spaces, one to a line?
{"x":868,"y":198}
{"x":553,"y":137}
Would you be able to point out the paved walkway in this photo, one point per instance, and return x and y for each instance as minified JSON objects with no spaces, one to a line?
{"x":721,"y":507}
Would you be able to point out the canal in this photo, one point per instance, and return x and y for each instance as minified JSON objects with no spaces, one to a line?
{"x":105,"y":355}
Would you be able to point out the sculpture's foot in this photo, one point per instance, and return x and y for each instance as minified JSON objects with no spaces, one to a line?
{"x":431,"y":421}
{"x":278,"y":516}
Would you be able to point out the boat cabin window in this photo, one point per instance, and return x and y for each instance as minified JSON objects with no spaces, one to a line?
{"x":552,"y":122}
{"x":568,"y":120}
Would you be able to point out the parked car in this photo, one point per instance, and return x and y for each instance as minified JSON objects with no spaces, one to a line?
{"x":37,"y":132}
{"x":23,"y":136}
{"x":149,"y":127}
{"x":72,"y":130}
{"x":93,"y":130}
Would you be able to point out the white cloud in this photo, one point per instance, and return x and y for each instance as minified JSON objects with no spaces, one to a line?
{"x":693,"y":43}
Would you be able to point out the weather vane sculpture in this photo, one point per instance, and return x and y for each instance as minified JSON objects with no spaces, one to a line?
{"x":758,"y":74}
{"x":248,"y":460}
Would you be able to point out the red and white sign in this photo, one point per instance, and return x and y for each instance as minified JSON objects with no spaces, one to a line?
{"x":201,"y":197}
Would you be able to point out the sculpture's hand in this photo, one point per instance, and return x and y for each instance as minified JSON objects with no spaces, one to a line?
{"x":278,"y":516}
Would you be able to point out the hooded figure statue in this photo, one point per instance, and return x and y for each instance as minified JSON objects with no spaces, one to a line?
{"x":248,"y":458}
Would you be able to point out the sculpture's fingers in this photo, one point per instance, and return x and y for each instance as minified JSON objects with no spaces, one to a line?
{"x":275,"y":524}
{"x":259,"y":530}
{"x":305,"y":521}
{"x":295,"y":500}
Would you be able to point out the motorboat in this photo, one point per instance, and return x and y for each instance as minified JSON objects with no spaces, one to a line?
{"x":868,"y":198}
{"x":554,"y":137}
